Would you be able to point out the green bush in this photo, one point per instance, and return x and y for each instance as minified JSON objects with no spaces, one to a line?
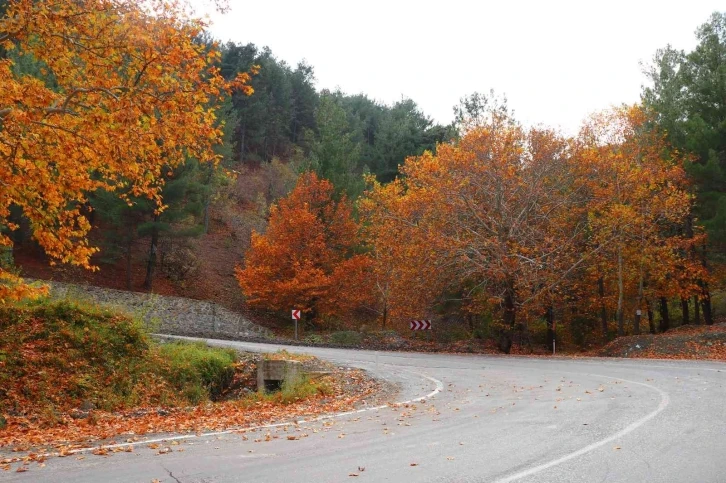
{"x":718,"y":304}
{"x":451,"y":333}
{"x":346,"y":338}
{"x":314,"y":339}
{"x":293,"y":391}
{"x":198,"y":371}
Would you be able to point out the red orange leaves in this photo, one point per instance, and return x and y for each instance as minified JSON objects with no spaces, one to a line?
{"x":306,"y":259}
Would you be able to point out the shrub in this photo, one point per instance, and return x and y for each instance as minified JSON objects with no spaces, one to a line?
{"x":179,"y":261}
{"x":198,"y":371}
{"x":314,"y":339}
{"x":718,"y":304}
{"x":346,"y":338}
{"x":295,"y":391}
{"x":451,"y":332}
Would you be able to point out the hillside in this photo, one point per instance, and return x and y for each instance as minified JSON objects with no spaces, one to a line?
{"x":200,"y":267}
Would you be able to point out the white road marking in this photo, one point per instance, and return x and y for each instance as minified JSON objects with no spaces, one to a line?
{"x":664,"y":401}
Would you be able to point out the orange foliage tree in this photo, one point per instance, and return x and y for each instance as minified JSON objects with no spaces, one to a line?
{"x":525,"y":223}
{"x":407,"y":272}
{"x":638,"y":200}
{"x":127,"y":95}
{"x":307,"y":259}
{"x":489,"y":217}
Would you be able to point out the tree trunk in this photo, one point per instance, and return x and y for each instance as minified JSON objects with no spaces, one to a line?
{"x":706,"y":295}
{"x":665,"y":321}
{"x":550,"y":316}
{"x":636,"y":322}
{"x":603,"y":311}
{"x":620,"y":314}
{"x":696,"y":310}
{"x":206,"y":216}
{"x":638,"y":309}
{"x":706,"y":306}
{"x":242,"y":147}
{"x":128,"y":260}
{"x":151,"y":264}
{"x":385,"y":315}
{"x":651,"y":321}
{"x":505,"y":340}
{"x":685,"y":311}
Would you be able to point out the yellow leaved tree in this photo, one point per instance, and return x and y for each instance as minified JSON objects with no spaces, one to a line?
{"x":124,"y":95}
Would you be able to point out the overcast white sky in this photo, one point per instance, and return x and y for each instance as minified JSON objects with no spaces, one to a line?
{"x":557,"y":61}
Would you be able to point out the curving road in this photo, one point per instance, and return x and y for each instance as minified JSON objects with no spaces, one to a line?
{"x":483,"y":419}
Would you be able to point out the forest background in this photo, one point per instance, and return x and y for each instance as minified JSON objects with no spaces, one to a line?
{"x":269,"y":194}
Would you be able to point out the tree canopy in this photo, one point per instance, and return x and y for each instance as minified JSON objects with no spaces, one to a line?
{"x":124,"y":95}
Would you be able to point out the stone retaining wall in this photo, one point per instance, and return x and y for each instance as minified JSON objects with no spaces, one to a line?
{"x":164,"y":314}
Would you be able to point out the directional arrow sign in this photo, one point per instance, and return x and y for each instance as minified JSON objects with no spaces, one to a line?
{"x":420,"y":325}
{"x":295,"y":315}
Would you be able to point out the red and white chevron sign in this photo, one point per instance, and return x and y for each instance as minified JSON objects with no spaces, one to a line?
{"x":420,"y":325}
{"x":296,"y":315}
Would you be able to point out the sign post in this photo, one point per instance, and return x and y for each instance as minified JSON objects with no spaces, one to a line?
{"x":295,"y":317}
{"x":421,"y":325}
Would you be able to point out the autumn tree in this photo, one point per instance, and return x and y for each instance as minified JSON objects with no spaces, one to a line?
{"x":637,"y":204}
{"x":126,"y":97}
{"x":407,"y":275}
{"x":528,"y":224}
{"x":307,"y":259}
{"x":493,"y":211}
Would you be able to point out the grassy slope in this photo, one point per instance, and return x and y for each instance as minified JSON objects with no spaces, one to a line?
{"x":71,"y":375}
{"x":58,"y":357}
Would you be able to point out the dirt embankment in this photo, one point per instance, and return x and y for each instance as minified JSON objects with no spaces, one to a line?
{"x":685,"y":342}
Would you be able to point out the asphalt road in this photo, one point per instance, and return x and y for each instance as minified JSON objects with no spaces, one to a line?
{"x":484,"y":419}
